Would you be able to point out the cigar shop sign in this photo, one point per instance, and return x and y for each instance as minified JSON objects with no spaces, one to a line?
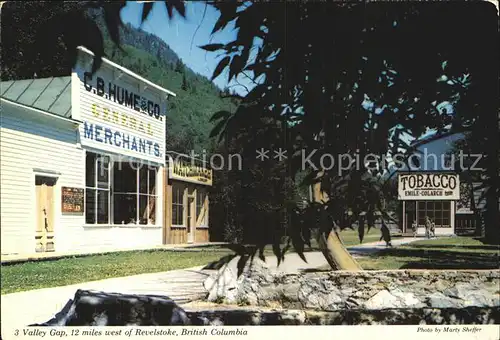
{"x":184,"y":170}
{"x":428,"y":186}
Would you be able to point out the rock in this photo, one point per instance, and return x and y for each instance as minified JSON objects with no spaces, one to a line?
{"x":439,"y":300}
{"x":293,"y":317}
{"x":457,"y":291}
{"x":227,"y":286}
{"x":223,"y":285}
{"x":330,"y":291}
{"x":478,"y":298}
{"x":404,"y":316}
{"x":324,"y":301}
{"x":291,"y":291}
{"x":393,"y":299}
{"x":407,"y":299}
{"x":105,"y":305}
{"x":92,"y":308}
{"x":382,"y":300}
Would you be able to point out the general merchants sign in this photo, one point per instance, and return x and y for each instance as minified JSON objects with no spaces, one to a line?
{"x":119,"y":113}
{"x":187,"y":171}
{"x":428,"y":186}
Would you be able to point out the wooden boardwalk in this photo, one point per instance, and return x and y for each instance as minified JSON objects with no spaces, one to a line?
{"x":180,"y":285}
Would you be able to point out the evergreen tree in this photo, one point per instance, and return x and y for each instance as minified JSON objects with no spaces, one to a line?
{"x":185,"y":85}
{"x":179,"y":66}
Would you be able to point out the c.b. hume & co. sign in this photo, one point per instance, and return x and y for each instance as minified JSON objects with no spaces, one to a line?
{"x":428,"y":186}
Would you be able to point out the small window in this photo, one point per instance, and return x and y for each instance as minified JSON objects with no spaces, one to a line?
{"x":438,"y":212}
{"x":97,"y":188}
{"x":201,"y":212}
{"x":177,"y":204}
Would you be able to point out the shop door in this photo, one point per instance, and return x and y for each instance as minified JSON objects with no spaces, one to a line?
{"x":410,"y":216}
{"x":191,"y":219}
{"x":44,"y":233}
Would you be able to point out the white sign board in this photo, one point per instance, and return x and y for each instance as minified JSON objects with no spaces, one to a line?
{"x":119,"y":114}
{"x":428,"y":186}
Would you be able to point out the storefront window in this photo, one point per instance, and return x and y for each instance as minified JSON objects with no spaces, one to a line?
{"x":125,"y":193}
{"x":177,"y":204}
{"x":134,"y":194}
{"x":201,"y":212}
{"x":133,"y":197}
{"x":437,"y":211}
{"x":97,"y":189}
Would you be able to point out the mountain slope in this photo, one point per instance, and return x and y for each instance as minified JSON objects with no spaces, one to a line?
{"x":148,"y":42}
{"x":188,"y":114}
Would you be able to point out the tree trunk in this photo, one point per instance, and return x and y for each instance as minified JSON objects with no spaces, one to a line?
{"x":336,"y":254}
{"x":329,"y":241}
{"x":492,"y":216}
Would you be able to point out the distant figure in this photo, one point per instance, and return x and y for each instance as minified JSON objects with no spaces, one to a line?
{"x":414,"y":228}
{"x":386,"y":235}
{"x":433,"y":229}
{"x":428,"y":226}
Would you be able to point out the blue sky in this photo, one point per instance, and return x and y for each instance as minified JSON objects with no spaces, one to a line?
{"x":185,"y":36}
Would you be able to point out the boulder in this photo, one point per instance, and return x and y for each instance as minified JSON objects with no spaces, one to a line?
{"x":382,"y":300}
{"x":254,"y":284}
{"x":439,"y":300}
{"x":93,"y":308}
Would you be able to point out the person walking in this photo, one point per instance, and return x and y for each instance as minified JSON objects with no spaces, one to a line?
{"x":428,"y":227}
{"x":433,"y":229}
{"x":386,"y":234}
{"x":414,"y":228}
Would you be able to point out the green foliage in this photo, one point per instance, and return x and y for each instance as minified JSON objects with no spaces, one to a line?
{"x":188,"y":114}
{"x":405,"y":59}
{"x":29,"y":53}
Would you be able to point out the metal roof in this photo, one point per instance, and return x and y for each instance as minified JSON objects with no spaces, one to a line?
{"x":52,"y":95}
{"x":130,"y":73}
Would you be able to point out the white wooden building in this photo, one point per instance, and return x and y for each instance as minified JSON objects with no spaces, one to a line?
{"x":82,"y":161}
{"x":429,"y":194}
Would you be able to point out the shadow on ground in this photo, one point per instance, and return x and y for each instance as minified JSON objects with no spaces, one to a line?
{"x":440,"y":259}
{"x":465,"y":247}
{"x":216,"y":265}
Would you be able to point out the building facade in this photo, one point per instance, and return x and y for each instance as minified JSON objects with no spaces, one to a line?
{"x":430,"y":195}
{"x":83,"y":161}
{"x":187,"y":200}
{"x":453,"y":206}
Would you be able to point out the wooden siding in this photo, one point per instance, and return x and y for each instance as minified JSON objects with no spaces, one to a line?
{"x":178,"y":236}
{"x":28,"y":141}
{"x":201,"y":235}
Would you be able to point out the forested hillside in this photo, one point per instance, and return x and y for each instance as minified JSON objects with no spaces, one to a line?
{"x":188,"y":114}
